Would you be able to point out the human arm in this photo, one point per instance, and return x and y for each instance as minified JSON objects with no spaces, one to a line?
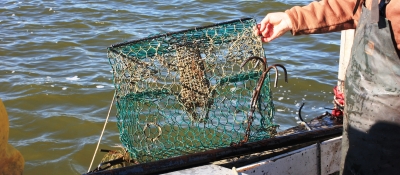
{"x":317,"y":17}
{"x":323,"y":16}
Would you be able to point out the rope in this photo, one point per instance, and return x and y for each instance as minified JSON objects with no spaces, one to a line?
{"x":102,"y":132}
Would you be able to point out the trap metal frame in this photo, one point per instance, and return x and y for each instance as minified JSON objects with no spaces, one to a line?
{"x":185,"y":92}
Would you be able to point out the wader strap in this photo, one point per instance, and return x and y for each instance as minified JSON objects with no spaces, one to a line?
{"x":356,"y":7}
{"x":382,"y":7}
{"x":374,"y":11}
{"x":378,"y":9}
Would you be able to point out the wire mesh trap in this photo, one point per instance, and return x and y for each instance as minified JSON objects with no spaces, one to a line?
{"x":185,"y":92}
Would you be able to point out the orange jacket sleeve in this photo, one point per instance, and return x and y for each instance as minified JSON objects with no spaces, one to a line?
{"x":323,"y":16}
{"x":335,"y":15}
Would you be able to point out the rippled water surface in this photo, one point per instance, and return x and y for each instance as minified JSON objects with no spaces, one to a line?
{"x":55,"y":78}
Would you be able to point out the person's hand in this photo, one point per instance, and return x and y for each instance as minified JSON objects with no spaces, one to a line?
{"x":273,"y":26}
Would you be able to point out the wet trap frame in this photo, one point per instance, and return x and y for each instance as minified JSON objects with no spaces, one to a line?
{"x":186,"y":92}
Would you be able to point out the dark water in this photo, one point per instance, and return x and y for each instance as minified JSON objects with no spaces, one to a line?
{"x":56,"y":83}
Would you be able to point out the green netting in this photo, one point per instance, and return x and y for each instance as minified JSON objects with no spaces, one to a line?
{"x":184,"y":92}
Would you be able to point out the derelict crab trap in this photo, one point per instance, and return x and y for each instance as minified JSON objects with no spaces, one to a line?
{"x":185,"y":92}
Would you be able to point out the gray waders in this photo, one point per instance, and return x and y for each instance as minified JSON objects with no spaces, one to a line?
{"x":371,"y":135}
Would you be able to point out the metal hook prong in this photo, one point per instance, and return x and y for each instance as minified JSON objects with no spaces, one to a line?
{"x":257,"y":90}
{"x":276,"y":72}
{"x":264,"y":61}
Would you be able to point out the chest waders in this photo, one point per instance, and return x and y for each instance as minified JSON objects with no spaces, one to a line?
{"x":371,"y":135}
